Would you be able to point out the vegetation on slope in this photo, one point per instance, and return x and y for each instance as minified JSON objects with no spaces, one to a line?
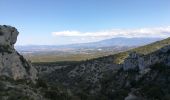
{"x":115,"y":84}
{"x":152,"y":86}
{"x":152,"y":47}
{"x":147,"y":49}
{"x":117,"y":58}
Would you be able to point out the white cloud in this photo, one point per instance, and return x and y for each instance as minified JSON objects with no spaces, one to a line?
{"x":129,"y":33}
{"x":157,"y":32}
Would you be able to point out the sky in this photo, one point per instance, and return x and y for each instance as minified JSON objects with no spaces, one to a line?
{"x":58,"y":22}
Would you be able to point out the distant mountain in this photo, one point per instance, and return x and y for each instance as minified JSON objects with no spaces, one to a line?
{"x":124,"y":42}
{"x":114,"y":42}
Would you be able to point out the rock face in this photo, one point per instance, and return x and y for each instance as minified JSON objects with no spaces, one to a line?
{"x":8,"y":35}
{"x":12,"y":64}
{"x":142,"y":62}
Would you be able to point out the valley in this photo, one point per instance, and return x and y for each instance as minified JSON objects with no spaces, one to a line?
{"x":83,"y":51}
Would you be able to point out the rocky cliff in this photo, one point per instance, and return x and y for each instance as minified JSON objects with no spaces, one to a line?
{"x":12,"y":64}
{"x":140,"y":61}
{"x":18,"y":78}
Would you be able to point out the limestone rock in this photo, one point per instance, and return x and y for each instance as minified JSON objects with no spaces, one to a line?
{"x":12,"y":64}
{"x":142,"y":62}
{"x":8,"y":35}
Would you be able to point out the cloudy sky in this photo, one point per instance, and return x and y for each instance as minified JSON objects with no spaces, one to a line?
{"x":56,"y":22}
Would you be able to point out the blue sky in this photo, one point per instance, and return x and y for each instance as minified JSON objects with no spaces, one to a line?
{"x":56,"y":22}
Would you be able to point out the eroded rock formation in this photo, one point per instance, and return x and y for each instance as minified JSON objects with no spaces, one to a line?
{"x":141,"y":62}
{"x":12,"y":64}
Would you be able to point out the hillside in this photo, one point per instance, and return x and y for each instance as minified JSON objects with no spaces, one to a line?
{"x":116,"y":77}
{"x":143,"y":49}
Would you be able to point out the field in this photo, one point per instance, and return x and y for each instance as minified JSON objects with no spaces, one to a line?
{"x":50,"y":57}
{"x":72,"y":55}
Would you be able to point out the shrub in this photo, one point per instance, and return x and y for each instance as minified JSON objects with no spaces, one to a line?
{"x":1,"y":33}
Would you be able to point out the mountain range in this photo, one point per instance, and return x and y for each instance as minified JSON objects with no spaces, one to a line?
{"x":113,"y":42}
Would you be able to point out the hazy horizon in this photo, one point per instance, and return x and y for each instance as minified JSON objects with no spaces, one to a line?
{"x":81,"y":43}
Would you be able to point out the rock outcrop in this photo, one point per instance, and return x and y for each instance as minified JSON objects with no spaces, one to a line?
{"x":141,"y":62}
{"x":12,"y":64}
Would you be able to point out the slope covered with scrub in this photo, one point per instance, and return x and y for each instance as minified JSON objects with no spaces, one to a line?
{"x":124,"y":76}
{"x":119,"y":58}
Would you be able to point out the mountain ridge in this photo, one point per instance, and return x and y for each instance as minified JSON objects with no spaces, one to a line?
{"x":119,"y":41}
